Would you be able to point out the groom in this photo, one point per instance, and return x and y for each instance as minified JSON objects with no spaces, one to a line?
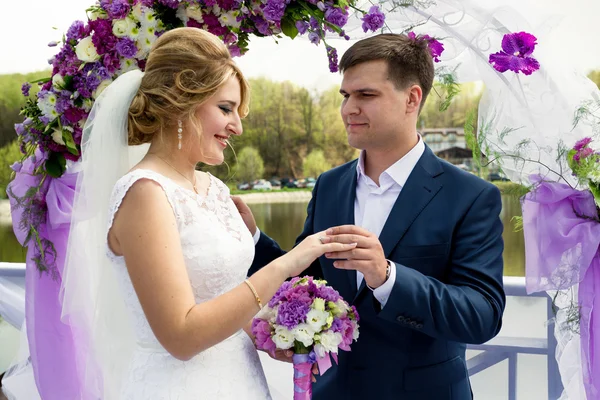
{"x":426,"y":276}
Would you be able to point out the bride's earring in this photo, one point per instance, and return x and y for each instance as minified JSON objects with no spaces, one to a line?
{"x":179,"y":135}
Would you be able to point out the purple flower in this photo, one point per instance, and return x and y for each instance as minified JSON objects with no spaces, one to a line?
{"x":516,"y":54}
{"x":314,"y":24}
{"x":20,"y":129}
{"x":280,"y":293}
{"x":170,"y":3}
{"x":103,"y":38}
{"x":76,"y":31}
{"x":116,"y":9}
{"x":333,"y":59}
{"x":583,"y":153}
{"x":292,"y":313}
{"x":302,"y":26}
{"x":25,"y":89}
{"x":314,"y":38}
{"x":355,"y":312}
{"x":53,"y":43}
{"x":373,"y":20}
{"x":262,"y":332}
{"x":274,"y":10}
{"x":328,"y":293}
{"x":436,"y":48}
{"x":228,"y":5}
{"x":235,"y":51}
{"x":336,"y":16}
{"x":261,"y":25}
{"x":126,"y":48}
{"x":582,"y":143}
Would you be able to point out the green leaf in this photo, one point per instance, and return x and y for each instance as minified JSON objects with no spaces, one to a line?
{"x":69,"y":142}
{"x":68,"y":82}
{"x":42,"y":80}
{"x":289,"y":28}
{"x":55,"y":165}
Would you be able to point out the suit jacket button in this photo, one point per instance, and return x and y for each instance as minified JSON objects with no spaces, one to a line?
{"x":419,"y":326}
{"x":400,"y":319}
{"x":413,"y":324}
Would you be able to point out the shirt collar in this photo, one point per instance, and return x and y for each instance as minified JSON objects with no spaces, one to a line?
{"x":400,"y":170}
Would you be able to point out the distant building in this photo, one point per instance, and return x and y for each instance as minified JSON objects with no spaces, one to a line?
{"x":439,"y":139}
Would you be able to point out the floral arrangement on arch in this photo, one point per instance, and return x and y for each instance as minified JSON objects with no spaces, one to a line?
{"x":117,"y":38}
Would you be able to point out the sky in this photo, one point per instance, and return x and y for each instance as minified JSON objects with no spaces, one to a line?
{"x":28,"y":26}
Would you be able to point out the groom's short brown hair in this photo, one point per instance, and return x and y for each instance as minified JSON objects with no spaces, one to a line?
{"x":409,"y":61}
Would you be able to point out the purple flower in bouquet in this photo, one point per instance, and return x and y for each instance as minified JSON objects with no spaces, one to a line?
{"x":373,"y":20}
{"x":213,"y":25}
{"x":25,"y":89}
{"x":76,"y":31}
{"x":516,"y":54}
{"x":328,"y":293}
{"x":263,"y":334}
{"x":292,"y":313}
{"x":228,"y":5}
{"x":126,"y":48}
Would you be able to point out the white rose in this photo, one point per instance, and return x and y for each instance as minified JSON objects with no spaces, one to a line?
{"x":194,"y":12}
{"x":86,"y":51}
{"x":57,"y":137}
{"x":229,"y":19}
{"x":138,"y":11}
{"x":58,"y":81}
{"x":103,"y":85}
{"x":316,"y":319}
{"x":304,"y":334}
{"x":354,"y":330}
{"x":283,"y":338}
{"x":330,"y":341}
{"x":181,"y":14}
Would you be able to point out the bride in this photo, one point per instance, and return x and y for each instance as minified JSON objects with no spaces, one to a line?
{"x":155,"y":287}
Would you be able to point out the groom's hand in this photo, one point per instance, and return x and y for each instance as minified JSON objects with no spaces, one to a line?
{"x":367,"y":257}
{"x":246,"y":214}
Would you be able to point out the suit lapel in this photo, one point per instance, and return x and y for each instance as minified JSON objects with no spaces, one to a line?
{"x":346,"y":198}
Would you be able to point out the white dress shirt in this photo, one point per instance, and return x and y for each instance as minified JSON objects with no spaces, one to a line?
{"x":373,"y":205}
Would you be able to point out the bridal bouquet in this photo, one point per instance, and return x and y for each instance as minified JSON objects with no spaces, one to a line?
{"x":311,"y":318}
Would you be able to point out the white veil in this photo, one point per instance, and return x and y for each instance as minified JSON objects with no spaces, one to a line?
{"x":92,"y":303}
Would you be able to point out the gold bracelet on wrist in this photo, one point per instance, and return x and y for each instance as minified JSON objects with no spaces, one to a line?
{"x":247,"y":282}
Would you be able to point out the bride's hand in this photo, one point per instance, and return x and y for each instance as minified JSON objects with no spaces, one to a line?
{"x":307,"y":251}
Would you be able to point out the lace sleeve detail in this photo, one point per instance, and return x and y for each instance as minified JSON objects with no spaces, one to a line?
{"x":126,"y":182}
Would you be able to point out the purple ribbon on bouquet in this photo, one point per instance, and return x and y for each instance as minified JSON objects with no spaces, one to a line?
{"x":562,"y":239}
{"x":303,"y":364}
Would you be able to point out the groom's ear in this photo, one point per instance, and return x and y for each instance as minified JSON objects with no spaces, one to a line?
{"x":414,"y":96}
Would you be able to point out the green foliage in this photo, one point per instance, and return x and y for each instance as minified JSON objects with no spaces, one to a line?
{"x":250,"y":165}
{"x":315,"y":164}
{"x":455,"y":100}
{"x":8,"y":155}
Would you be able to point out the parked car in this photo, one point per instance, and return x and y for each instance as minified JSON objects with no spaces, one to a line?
{"x":289,"y":183}
{"x":244,"y":186}
{"x":262,"y":184}
{"x":275,"y":183}
{"x":310,"y":182}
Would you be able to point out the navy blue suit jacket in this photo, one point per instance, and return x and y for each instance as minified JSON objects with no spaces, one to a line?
{"x":444,"y":236}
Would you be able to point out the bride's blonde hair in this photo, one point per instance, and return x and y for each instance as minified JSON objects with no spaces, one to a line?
{"x":186,"y":66}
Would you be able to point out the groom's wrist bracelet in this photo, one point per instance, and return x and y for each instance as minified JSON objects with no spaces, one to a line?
{"x":251,"y":286}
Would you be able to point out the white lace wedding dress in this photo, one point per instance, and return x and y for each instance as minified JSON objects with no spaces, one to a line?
{"x":218,"y":250}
